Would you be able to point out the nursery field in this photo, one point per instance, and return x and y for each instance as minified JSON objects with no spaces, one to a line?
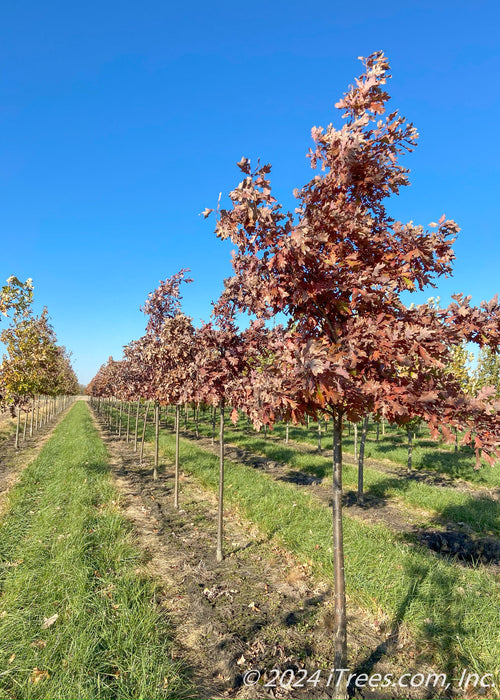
{"x":107,"y":590}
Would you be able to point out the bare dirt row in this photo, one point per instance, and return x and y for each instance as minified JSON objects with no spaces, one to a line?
{"x":258,"y":609}
{"x":442,"y":537}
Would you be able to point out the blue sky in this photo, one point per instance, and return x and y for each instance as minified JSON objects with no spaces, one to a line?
{"x":121,"y":121}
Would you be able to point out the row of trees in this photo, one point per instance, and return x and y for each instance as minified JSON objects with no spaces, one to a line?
{"x":336,"y":268}
{"x":35,"y":374}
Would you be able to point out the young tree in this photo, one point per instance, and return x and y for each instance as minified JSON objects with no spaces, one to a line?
{"x":337,"y":268}
{"x":487,"y":373}
{"x":16,"y":295}
{"x":169,"y":353}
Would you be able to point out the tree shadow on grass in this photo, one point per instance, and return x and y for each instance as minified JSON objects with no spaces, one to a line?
{"x":480,"y":513}
{"x":441,"y":629}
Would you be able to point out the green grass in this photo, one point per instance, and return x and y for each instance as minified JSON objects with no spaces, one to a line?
{"x":482,"y":514}
{"x":454,"y":609}
{"x":427,"y":453}
{"x":443,"y":503}
{"x":65,"y":549}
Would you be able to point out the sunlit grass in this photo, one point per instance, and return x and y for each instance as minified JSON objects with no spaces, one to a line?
{"x":66,"y":550}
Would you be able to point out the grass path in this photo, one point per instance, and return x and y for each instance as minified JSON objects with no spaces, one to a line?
{"x":77,"y":619}
{"x":453,"y":610}
{"x":446,"y":502}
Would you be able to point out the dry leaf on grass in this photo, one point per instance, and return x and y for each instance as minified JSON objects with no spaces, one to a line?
{"x":49,"y":621}
{"x":39,"y":643}
{"x":38,"y":675}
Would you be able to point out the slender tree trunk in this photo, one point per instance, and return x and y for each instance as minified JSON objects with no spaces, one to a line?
{"x":17,"y":426}
{"x":319,"y":436}
{"x":361,"y":461}
{"x":25,"y":424}
{"x":32,"y":415}
{"x":340,"y":618}
{"x":287,"y":432}
{"x":197,"y":420}
{"x":214,"y":414}
{"x":176,"y":479}
{"x":157,"y":440}
{"x":185,"y":417}
{"x":355,"y":440}
{"x":120,"y":420}
{"x":144,"y":430}
{"x":128,"y":420}
{"x":136,"y":424}
{"x":410,"y":448}
{"x":456,"y":439}
{"x":220,"y":513}
{"x":378,"y":431}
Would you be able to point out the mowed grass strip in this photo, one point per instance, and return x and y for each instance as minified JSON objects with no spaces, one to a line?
{"x":77,"y":619}
{"x":445,"y":502}
{"x":454,"y":610}
{"x":427,"y":453}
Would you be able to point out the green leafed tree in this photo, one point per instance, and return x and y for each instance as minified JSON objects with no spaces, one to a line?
{"x":487,"y":373}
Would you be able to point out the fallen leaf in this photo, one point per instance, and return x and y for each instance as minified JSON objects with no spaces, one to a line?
{"x":49,"y":621}
{"x":38,"y":675}
{"x":11,"y":658}
{"x":254,"y":608}
{"x":39,"y":643}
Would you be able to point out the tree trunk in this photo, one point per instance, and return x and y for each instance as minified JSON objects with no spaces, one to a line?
{"x":340,"y":619}
{"x":25,"y":424}
{"x":287,"y":432}
{"x":136,"y":424}
{"x":185,"y":417}
{"x":355,"y":440}
{"x":17,"y":426}
{"x":128,"y":420}
{"x":120,"y":420}
{"x":361,"y":461}
{"x":410,"y":448}
{"x":214,"y":414}
{"x":220,"y":513}
{"x":378,"y":431}
{"x":176,"y":479}
{"x":32,"y":415}
{"x":157,"y":440}
{"x":144,"y":430}
{"x":197,"y":420}
{"x":319,"y":436}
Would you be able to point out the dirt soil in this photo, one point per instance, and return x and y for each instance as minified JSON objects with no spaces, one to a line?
{"x":446,"y":538}
{"x":422,"y":475}
{"x":258,"y":609}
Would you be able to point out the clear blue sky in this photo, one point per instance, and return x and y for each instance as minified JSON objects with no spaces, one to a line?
{"x":121,"y":121}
